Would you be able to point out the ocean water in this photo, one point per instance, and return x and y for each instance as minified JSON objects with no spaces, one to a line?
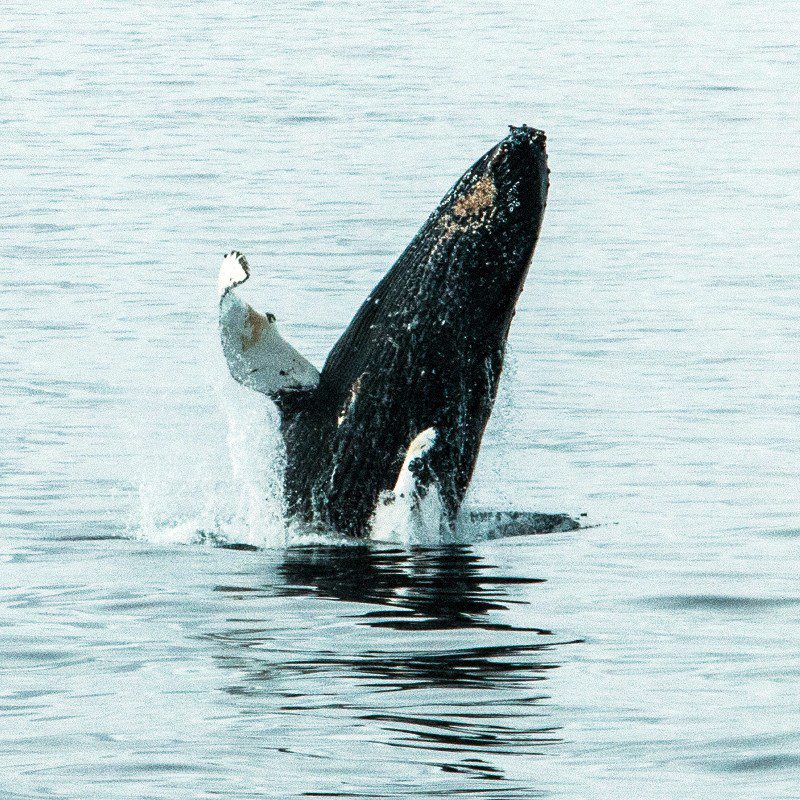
{"x":652,"y":384}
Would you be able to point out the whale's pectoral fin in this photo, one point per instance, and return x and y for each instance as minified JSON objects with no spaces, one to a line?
{"x":413,"y":510}
{"x":480,"y":524}
{"x":257,"y":355}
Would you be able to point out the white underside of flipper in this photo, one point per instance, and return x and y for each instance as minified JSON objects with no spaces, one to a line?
{"x":257,"y":355}
{"x":411,"y":514}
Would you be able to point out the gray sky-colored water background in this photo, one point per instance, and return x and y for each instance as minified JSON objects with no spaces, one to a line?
{"x":652,"y":384}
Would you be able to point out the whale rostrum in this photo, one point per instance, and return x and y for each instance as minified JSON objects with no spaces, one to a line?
{"x":388,"y":433}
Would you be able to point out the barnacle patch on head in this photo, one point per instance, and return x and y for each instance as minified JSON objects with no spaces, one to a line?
{"x":478,"y":199}
{"x":471,"y":210}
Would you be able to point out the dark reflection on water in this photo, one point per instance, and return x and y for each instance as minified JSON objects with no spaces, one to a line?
{"x":424,"y":666}
{"x":424,"y":589}
{"x":476,"y":667}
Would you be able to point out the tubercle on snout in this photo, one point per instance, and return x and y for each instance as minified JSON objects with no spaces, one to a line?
{"x":536,"y":134}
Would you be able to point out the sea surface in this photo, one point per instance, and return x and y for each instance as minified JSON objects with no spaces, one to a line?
{"x":652,"y":385}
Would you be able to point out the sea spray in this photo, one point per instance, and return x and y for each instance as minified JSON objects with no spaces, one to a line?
{"x":241,"y":502}
{"x":256,"y":454}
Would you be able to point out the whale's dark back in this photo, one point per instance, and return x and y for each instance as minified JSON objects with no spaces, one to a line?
{"x":424,"y":350}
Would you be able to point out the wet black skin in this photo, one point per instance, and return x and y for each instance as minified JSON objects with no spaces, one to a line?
{"x":424,"y":350}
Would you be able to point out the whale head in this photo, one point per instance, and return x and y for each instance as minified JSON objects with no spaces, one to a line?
{"x":489,"y":223}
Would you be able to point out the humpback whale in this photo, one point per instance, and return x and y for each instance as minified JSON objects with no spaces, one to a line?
{"x":385,"y":438}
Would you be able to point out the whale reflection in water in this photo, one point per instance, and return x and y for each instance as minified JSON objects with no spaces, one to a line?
{"x":461,"y":691}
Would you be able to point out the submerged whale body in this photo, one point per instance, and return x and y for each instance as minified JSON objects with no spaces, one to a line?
{"x":385,"y":438}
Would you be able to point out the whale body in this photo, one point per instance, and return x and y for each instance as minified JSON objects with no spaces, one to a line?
{"x":387,"y":434}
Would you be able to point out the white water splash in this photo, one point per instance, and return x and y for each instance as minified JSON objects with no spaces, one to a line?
{"x":245,"y":505}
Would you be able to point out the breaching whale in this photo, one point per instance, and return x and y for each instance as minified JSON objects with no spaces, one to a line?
{"x":385,"y":438}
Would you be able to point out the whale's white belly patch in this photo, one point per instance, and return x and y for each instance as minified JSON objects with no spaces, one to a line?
{"x":411,"y":513}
